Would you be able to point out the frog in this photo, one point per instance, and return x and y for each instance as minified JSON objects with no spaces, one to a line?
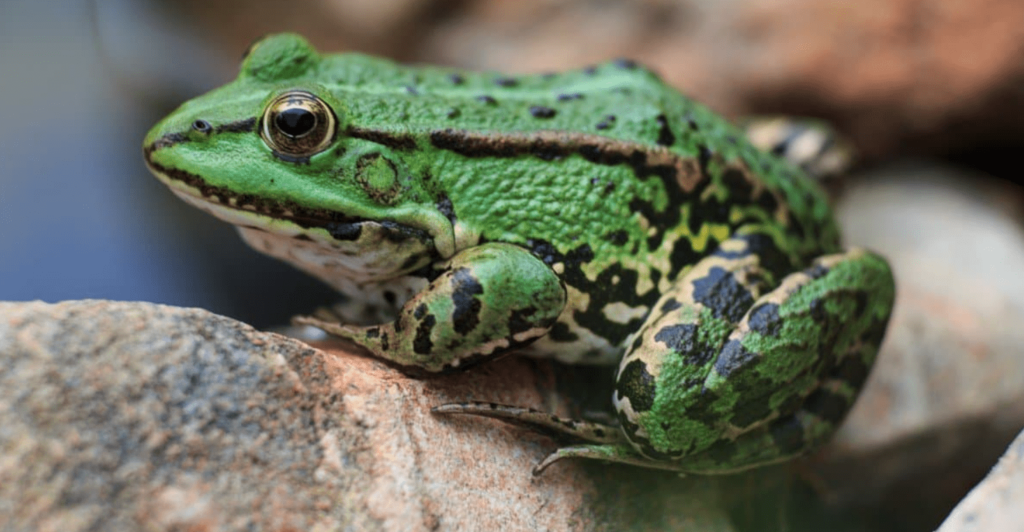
{"x":592,"y":216}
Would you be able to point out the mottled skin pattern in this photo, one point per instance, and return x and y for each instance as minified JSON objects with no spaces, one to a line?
{"x":596,"y":216}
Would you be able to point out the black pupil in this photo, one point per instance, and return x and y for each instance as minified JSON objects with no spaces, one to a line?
{"x":295,"y":122}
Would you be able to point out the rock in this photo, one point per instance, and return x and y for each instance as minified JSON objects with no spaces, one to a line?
{"x":128,"y":416}
{"x":995,"y":504}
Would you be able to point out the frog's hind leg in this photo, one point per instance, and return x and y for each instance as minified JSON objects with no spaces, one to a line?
{"x":774,"y":386}
{"x":729,"y":281}
{"x":810,"y":144}
{"x":722,"y":378}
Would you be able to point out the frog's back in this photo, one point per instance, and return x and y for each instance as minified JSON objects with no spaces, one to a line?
{"x":609,"y":141}
{"x":614,"y":179}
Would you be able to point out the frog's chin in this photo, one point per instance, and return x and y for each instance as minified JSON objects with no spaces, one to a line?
{"x":338,"y":253}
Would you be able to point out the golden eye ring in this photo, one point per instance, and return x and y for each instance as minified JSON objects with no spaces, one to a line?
{"x":298,"y":124}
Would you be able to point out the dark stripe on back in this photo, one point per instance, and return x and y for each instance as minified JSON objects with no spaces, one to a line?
{"x":395,"y":141}
{"x":551,"y":145}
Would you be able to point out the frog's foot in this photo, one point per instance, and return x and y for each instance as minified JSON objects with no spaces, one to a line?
{"x":604,"y":442}
{"x":329,"y":322}
{"x":611,"y":453}
{"x":807,"y":143}
{"x":586,"y":431}
{"x":489,"y":300}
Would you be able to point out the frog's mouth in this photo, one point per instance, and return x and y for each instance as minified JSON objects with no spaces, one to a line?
{"x":253,"y":212}
{"x":337,"y":248}
{"x":214,"y":199}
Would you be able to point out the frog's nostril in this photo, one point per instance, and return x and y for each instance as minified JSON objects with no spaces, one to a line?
{"x":202,"y":126}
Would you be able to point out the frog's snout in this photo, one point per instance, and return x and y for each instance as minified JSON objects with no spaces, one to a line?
{"x":165,"y":135}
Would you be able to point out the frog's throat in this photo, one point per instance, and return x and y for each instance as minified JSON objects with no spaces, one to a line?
{"x":289,"y":219}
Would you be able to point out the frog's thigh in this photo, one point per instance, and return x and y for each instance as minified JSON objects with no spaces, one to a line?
{"x":777,"y":386}
{"x":490,"y":300}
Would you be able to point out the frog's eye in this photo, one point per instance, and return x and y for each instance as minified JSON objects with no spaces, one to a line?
{"x":298,"y":124}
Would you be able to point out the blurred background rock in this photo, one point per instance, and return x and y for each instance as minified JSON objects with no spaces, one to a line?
{"x":938,"y":81}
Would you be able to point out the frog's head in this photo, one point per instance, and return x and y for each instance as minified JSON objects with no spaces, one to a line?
{"x":272,"y":153}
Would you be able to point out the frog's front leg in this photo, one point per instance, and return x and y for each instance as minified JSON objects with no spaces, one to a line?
{"x":488,"y":301}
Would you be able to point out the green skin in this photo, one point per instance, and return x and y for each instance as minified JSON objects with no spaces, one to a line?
{"x":594,"y":216}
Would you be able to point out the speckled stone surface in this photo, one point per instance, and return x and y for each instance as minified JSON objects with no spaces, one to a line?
{"x":134,"y":416}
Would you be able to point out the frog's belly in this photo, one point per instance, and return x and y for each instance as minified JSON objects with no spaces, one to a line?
{"x":572,"y":343}
{"x":591,"y":351}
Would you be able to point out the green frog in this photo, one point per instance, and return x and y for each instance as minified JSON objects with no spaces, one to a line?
{"x":595,"y":216}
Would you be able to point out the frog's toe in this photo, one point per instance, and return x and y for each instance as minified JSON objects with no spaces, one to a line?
{"x":537,"y":420}
{"x":608,"y":453}
{"x":324,"y":322}
{"x":539,"y":469}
